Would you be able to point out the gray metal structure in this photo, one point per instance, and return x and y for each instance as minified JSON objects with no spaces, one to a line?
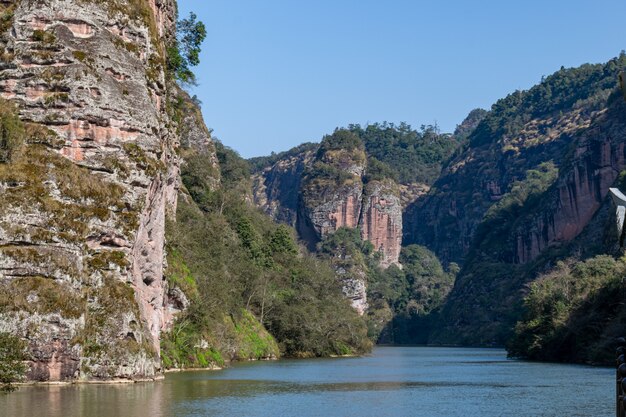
{"x":619,"y":199}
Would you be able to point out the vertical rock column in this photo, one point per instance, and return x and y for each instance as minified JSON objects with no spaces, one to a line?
{"x":381,"y":221}
{"x":93,"y":184}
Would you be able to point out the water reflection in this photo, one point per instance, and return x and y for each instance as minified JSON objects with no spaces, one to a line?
{"x":392,"y":382}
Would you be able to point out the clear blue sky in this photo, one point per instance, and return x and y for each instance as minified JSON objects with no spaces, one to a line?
{"x":278,"y":73}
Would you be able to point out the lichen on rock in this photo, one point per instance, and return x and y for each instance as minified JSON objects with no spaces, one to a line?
{"x":84,"y":199}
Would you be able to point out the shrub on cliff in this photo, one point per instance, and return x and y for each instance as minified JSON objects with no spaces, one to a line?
{"x":341,"y":139}
{"x":573,"y":313}
{"x":12,"y":355}
{"x":12,"y":131}
{"x":185,"y":51}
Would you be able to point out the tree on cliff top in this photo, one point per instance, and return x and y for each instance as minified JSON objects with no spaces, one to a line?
{"x":185,"y":51}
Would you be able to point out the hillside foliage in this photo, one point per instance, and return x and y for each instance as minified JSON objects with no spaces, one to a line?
{"x":12,"y":355}
{"x":12,"y":131}
{"x":405,"y":154}
{"x":184,"y":52}
{"x":249,"y":282}
{"x":573,"y":313}
{"x":399,"y":299}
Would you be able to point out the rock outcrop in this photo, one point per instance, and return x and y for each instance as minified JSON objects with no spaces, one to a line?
{"x":322,"y":190}
{"x":82,"y":217}
{"x":276,"y":190}
{"x":599,"y":158}
{"x":503,"y":216}
{"x":354,"y":287}
{"x":331,"y":192}
{"x":381,"y":220}
{"x":298,"y":190}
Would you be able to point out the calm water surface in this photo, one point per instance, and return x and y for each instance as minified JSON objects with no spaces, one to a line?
{"x":394,"y":381}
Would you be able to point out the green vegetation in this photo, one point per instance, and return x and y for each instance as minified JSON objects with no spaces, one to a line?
{"x":12,"y":355}
{"x":400,"y":299}
{"x":585,"y":87}
{"x":109,"y":306}
{"x":253,"y":293}
{"x":151,"y":165}
{"x":6,"y":17}
{"x":573,"y":313}
{"x":47,"y":38}
{"x":338,"y":160}
{"x":503,"y":217}
{"x":12,"y":131}
{"x":413,"y":295}
{"x":184,"y":53}
{"x":259,"y":163}
{"x":397,"y":152}
{"x":472,"y":120}
{"x":341,"y":139}
{"x":491,"y":268}
{"x":499,"y":207}
{"x":136,"y":10}
{"x":86,"y":196}
{"x":40,"y":295}
{"x":255,"y":341}
{"x":405,"y":154}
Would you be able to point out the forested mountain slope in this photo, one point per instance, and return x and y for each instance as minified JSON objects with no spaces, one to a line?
{"x":346,"y":198}
{"x":514,"y":191}
{"x":532,"y":178}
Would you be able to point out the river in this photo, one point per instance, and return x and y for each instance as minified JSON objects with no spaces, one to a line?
{"x":393,"y":381}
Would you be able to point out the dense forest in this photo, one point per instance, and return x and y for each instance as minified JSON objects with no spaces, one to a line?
{"x":254,"y":292}
{"x":398,"y":152}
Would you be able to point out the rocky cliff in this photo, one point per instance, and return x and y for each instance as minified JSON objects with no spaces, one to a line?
{"x":381,"y":219}
{"x":84,"y":200}
{"x":276,"y":190}
{"x":326,"y":188}
{"x":322,"y":189}
{"x":530,"y":181}
{"x":599,"y":157}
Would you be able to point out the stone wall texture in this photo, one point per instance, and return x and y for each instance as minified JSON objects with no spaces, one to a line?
{"x":82,"y":217}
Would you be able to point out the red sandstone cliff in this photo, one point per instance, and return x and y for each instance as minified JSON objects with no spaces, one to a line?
{"x":381,"y":220}
{"x":82,"y":217}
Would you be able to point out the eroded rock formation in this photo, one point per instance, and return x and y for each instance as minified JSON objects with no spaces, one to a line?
{"x":579,"y":195}
{"x":324,"y":189}
{"x":381,"y":220}
{"x":276,"y":190}
{"x":84,"y":203}
{"x":290,"y":192}
{"x":507,"y":219}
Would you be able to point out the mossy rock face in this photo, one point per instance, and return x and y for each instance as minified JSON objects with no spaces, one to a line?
{"x":41,"y":295}
{"x":114,"y":341}
{"x":87,"y":163}
{"x":65,"y":198}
